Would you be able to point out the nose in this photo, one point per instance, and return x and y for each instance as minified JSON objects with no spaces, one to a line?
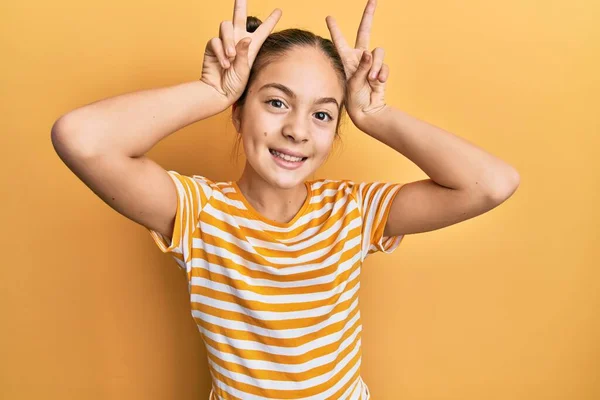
{"x":296,"y":128}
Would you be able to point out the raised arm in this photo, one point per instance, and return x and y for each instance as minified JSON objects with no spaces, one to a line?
{"x":464,"y":180}
{"x":104,"y":143}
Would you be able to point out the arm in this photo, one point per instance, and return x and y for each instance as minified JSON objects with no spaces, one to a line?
{"x":449,"y":160}
{"x":465,"y":180}
{"x":103,"y":144}
{"x":132,"y":123}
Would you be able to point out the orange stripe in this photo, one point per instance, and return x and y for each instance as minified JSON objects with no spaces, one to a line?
{"x":193,"y":193}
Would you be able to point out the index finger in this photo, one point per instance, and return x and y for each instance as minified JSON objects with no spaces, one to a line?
{"x":336,"y":34}
{"x":239,"y":14}
{"x":364,"y":30}
{"x":264,"y":30}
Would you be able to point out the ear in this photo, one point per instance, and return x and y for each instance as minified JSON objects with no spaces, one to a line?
{"x":236,"y":117}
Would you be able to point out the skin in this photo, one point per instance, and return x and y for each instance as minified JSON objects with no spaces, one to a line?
{"x":464,"y":180}
{"x":276,"y":192}
{"x":270,"y":118}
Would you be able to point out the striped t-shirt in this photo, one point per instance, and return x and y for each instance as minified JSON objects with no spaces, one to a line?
{"x":277,"y":304}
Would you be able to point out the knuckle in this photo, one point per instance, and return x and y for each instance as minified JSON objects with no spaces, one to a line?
{"x":224,"y":29}
{"x":217,"y":47}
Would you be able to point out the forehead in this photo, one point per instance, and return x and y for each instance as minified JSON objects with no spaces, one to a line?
{"x":307,"y":71}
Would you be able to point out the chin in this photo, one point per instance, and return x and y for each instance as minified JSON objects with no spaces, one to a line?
{"x":285,"y":180}
{"x":282,"y":177}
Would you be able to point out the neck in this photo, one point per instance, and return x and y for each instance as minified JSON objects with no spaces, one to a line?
{"x":276,"y":203}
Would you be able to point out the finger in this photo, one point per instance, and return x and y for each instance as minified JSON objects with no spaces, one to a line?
{"x":226,"y":35}
{"x":364,"y":30}
{"x":264,"y":30}
{"x":336,"y":34}
{"x":378,"y":55}
{"x":363,"y":67}
{"x":241,"y":63}
{"x":217,"y":48}
{"x":384,"y":74}
{"x":239,"y":14}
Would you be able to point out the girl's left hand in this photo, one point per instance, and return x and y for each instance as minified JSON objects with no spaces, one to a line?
{"x":366,"y":74}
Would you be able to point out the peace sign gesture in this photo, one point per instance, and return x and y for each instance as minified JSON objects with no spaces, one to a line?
{"x":365,"y":71}
{"x":229,"y":57}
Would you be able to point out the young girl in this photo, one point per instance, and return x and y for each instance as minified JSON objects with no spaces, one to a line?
{"x":273,"y":260}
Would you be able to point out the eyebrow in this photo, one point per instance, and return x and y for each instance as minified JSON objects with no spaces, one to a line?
{"x":291,"y":94}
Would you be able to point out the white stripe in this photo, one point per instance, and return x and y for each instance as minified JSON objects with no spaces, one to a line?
{"x":301,"y":245}
{"x":247,"y":295}
{"x":290,"y":385}
{"x":258,"y":224}
{"x":300,"y":350}
{"x":232,"y":358}
{"x":222,"y":252}
{"x":277,"y":334}
{"x":318,"y":184}
{"x":368,"y":213}
{"x":262,"y":283}
{"x":255,"y":224}
{"x":304,"y":258}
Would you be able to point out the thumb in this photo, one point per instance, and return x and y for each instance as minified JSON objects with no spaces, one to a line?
{"x":241,"y":64}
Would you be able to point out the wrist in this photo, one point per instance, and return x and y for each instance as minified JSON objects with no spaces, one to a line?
{"x":210,"y":100}
{"x":370,"y":121}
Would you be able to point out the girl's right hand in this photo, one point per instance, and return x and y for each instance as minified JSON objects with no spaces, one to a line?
{"x":229,"y":57}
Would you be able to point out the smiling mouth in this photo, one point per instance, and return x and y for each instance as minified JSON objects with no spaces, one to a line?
{"x":287,"y":158}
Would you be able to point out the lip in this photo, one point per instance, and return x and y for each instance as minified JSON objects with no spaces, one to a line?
{"x":290,"y":165}
{"x":288,"y":152}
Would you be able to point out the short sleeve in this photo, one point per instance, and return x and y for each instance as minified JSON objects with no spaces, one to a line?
{"x":375,"y":201}
{"x":192,"y":194}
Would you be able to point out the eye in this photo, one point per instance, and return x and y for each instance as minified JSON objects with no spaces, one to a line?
{"x":323,"y":115}
{"x":275,"y":102}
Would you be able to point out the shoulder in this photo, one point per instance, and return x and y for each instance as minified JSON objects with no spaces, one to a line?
{"x":333,"y":188}
{"x":202,"y":185}
{"x":222,"y":190}
{"x":364,"y":194}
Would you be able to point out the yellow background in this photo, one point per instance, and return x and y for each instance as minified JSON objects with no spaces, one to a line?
{"x":502,"y":306}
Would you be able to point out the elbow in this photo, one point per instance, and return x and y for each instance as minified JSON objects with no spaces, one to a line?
{"x":505,"y":187}
{"x":58,"y":135}
{"x":66,"y":139}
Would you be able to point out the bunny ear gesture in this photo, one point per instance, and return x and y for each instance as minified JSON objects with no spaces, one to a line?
{"x":365,"y":71}
{"x":351,"y":56}
{"x":228,"y":58}
{"x":240,"y":15}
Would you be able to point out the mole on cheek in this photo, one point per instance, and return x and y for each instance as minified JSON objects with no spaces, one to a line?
{"x":265,"y":133}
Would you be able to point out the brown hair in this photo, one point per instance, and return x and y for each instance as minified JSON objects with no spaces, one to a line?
{"x":277,"y":44}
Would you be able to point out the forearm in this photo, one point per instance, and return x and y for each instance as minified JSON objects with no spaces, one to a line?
{"x":447,"y":159}
{"x":133,"y":123}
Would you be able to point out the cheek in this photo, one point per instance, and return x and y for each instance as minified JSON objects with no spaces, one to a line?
{"x":259,"y":126}
{"x":324,"y":144}
{"x":255,"y":137}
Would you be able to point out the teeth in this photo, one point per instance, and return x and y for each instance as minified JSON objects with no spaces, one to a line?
{"x":286,"y":157}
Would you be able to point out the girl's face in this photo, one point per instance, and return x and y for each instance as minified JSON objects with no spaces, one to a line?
{"x":292,"y":106}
